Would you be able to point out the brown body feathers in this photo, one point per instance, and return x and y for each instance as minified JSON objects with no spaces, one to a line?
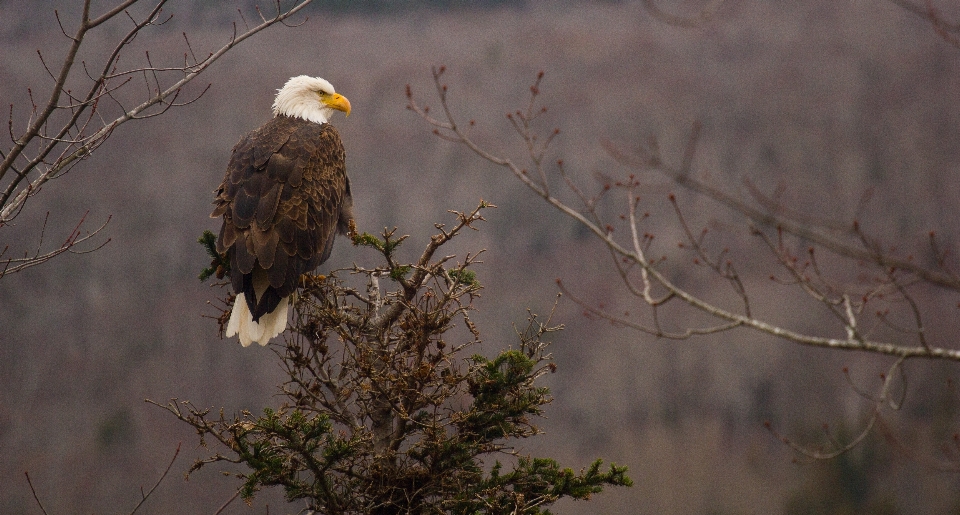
{"x":284,"y":198}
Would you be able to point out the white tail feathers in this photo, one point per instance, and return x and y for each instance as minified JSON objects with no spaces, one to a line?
{"x":242,"y":324}
{"x":270,"y":324}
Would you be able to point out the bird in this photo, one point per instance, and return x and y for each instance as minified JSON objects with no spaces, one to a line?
{"x":284,"y":198}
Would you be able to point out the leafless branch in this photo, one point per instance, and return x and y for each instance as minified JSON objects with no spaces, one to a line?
{"x":144,"y":497}
{"x":885,"y":397}
{"x":651,"y":276}
{"x":60,"y":133}
{"x":34,"y":492}
{"x":227,"y":503}
{"x":76,"y":237}
{"x":847,"y":244}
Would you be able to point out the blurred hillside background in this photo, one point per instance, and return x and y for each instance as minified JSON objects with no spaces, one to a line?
{"x":830,"y":100}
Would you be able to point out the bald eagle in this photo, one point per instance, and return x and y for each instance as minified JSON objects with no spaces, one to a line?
{"x":283,"y":199}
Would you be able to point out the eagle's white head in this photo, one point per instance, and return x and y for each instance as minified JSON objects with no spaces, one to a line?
{"x":309,"y":98}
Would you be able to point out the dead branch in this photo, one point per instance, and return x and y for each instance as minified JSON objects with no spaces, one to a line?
{"x":34,"y":492}
{"x":884,"y":398}
{"x":847,"y":244}
{"x":75,"y":238}
{"x":653,"y":278}
{"x":73,"y":122}
{"x":144,"y":497}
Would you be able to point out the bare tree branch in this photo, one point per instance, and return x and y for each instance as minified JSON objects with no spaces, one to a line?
{"x":69,"y":126}
{"x":144,"y":497}
{"x":651,"y":275}
{"x":227,"y":503}
{"x":650,"y":159}
{"x":34,"y":492}
{"x":76,"y":237}
{"x":884,"y":398}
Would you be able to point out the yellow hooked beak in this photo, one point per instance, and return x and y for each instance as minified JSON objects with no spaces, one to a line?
{"x":336,"y":101}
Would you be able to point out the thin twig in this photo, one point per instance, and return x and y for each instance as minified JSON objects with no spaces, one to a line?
{"x":730,"y":319}
{"x":34,"y":492}
{"x":230,"y":500}
{"x":162,"y":476}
